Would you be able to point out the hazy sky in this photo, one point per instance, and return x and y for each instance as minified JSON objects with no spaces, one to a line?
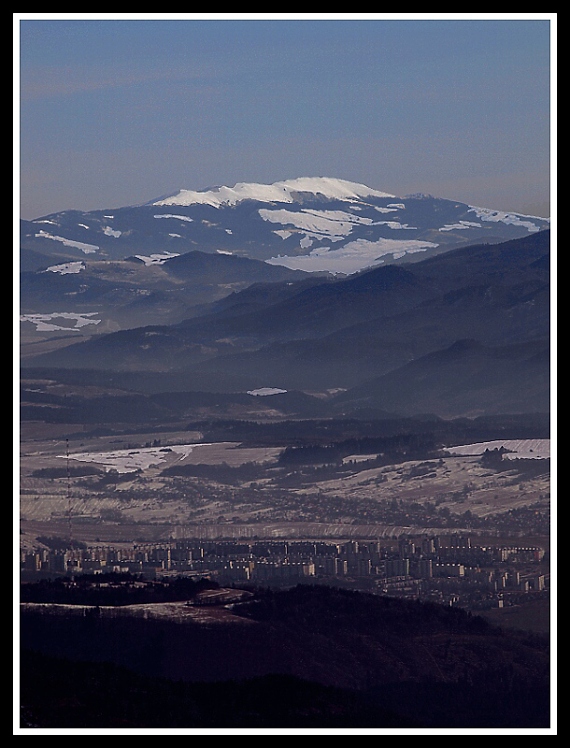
{"x":118,"y":109}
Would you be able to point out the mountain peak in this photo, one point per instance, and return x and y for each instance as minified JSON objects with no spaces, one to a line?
{"x":279,"y":192}
{"x":314,"y":224}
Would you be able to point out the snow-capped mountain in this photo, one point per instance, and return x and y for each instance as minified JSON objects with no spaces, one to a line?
{"x":312,"y":224}
{"x":289,"y":191}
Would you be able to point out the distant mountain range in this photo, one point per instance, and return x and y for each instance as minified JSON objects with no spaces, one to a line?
{"x":136,"y":291}
{"x":462,"y":333}
{"x":160,"y":263}
{"x":311,"y":224}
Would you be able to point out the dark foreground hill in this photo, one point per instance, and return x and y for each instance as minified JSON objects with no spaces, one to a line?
{"x":310,"y":656}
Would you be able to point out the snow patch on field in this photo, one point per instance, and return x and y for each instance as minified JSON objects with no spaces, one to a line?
{"x":332,"y":224}
{"x":352,"y":257}
{"x":527,"y":449}
{"x":44,"y":322}
{"x":86,"y":248}
{"x":265,"y":391}
{"x":460,"y":225}
{"x":66,"y":268}
{"x":157,"y":258}
{"x":173,"y":215}
{"x":130,"y":460}
{"x":108,"y":231}
{"x":498,"y":216}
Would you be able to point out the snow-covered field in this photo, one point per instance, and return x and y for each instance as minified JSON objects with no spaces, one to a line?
{"x":352,"y":257}
{"x":131,"y":460}
{"x":175,"y":216}
{"x":156,"y":258}
{"x":486,"y":214}
{"x":458,"y":226}
{"x":148,"y":497}
{"x":265,"y":391}
{"x":74,"y":321}
{"x":66,"y":268}
{"x":332,"y":224}
{"x":527,"y":449}
{"x":86,"y":248}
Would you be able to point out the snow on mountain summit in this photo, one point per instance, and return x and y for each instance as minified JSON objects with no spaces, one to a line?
{"x":314,"y":224}
{"x":280,"y":192}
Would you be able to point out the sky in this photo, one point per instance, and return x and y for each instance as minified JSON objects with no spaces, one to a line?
{"x":119,"y":109}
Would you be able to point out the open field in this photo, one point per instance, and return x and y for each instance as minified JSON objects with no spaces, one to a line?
{"x":116,"y":488}
{"x":460,"y":483}
{"x":528,"y":449}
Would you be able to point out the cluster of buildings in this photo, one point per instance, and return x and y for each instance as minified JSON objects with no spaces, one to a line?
{"x":446,"y":570}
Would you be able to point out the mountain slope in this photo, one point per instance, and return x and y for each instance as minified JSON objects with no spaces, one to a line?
{"x":340,"y":333}
{"x":504,"y":306}
{"x":313,"y":311}
{"x":467,"y":379}
{"x":313,"y":224}
{"x":499,"y":295}
{"x":140,"y":290}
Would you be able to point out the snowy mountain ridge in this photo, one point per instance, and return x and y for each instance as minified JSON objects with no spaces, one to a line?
{"x":310,"y":223}
{"x":278,"y":192}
